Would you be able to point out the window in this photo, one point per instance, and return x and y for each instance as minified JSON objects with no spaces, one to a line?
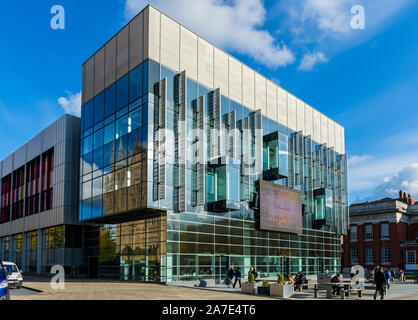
{"x":135,"y":119}
{"x":110,"y":100}
{"x":353,"y":233}
{"x":135,"y":83}
{"x":98,"y":139}
{"x":86,"y":194}
{"x":98,"y":108}
{"x":97,"y":159}
{"x":369,"y":256}
{"x":96,"y":204}
{"x":354,"y":256}
{"x":121,"y":148}
{"x":109,"y":154}
{"x":385,"y":231}
{"x":134,"y":143}
{"x":385,"y":255}
{"x":122,"y":93}
{"x":87,"y":163}
{"x":368,"y":232}
{"x":411,"y":257}
{"x":121,"y":126}
{"x":88,"y":114}
{"x":97,"y":187}
{"x":416,"y":235}
{"x":109,"y":133}
{"x":88,"y":144}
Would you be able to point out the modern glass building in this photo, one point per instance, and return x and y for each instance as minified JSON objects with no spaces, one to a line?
{"x":39,"y":225}
{"x":176,"y":134}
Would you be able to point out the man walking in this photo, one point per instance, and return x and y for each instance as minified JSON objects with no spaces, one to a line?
{"x":231,"y":274}
{"x":237,"y":277}
{"x":380,"y":282}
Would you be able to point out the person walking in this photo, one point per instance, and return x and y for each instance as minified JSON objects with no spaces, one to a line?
{"x":388,"y":277}
{"x":380,"y":282}
{"x":401,"y":276}
{"x":231,"y":274}
{"x":237,"y":277}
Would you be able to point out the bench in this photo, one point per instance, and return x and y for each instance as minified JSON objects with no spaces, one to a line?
{"x":316,"y":289}
{"x":345,"y":290}
{"x":310,"y":280}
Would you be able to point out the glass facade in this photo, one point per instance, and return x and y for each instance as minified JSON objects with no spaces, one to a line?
{"x":170,"y":167}
{"x":59,"y":245}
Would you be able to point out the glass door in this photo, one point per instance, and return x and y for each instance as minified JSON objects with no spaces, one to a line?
{"x":221,"y":268}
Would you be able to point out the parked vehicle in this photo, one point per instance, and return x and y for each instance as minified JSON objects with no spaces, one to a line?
{"x":4,"y":284}
{"x":14,"y":276}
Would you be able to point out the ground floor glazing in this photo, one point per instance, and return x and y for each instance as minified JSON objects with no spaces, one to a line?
{"x":189,"y":247}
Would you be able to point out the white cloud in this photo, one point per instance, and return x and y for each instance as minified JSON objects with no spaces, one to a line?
{"x":368,"y":179}
{"x":325,"y":25}
{"x":310,"y":59}
{"x":232,"y":25}
{"x":354,"y":160}
{"x":330,"y":16}
{"x":71,"y":104}
{"x":406,"y":180}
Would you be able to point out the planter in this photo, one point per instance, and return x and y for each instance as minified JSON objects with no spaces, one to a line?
{"x":282,"y":291}
{"x":264,"y":291}
{"x":250,"y":288}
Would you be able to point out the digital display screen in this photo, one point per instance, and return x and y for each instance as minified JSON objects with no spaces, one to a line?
{"x":280,"y":208}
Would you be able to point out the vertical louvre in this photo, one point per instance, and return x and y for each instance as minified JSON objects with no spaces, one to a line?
{"x":199,"y":185}
{"x":160,"y":116}
{"x":180,"y":93}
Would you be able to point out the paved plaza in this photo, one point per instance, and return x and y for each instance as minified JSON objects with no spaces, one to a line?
{"x":118,"y":290}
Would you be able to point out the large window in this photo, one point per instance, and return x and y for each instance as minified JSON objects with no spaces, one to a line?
{"x":98,"y":114}
{"x":47,"y":190}
{"x":17,"y":194}
{"x":6,"y":184}
{"x":33,"y":171}
{"x":369,"y":256}
{"x":122,"y":93}
{"x":110,"y":100}
{"x":353,"y":233}
{"x":88,"y":114}
{"x":385,"y":255}
{"x":354,"y":255}
{"x":384,"y":231}
{"x":368,"y":232}
{"x":411,"y":257}
{"x":135,"y":83}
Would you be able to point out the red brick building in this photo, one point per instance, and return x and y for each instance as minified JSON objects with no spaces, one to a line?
{"x":382,"y":233}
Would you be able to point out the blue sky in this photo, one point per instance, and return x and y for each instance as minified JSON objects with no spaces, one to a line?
{"x":366,"y":80}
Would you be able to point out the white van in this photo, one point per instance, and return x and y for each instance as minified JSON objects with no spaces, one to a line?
{"x":14,"y":276}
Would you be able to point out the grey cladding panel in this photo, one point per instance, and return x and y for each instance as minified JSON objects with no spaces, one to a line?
{"x":99,"y":62}
{"x":7,"y":165}
{"x":89,"y":79}
{"x":110,"y":62}
{"x":83,"y":96}
{"x":135,"y":41}
{"x":122,"y":52}
{"x":19,"y":157}
{"x":35,"y":147}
